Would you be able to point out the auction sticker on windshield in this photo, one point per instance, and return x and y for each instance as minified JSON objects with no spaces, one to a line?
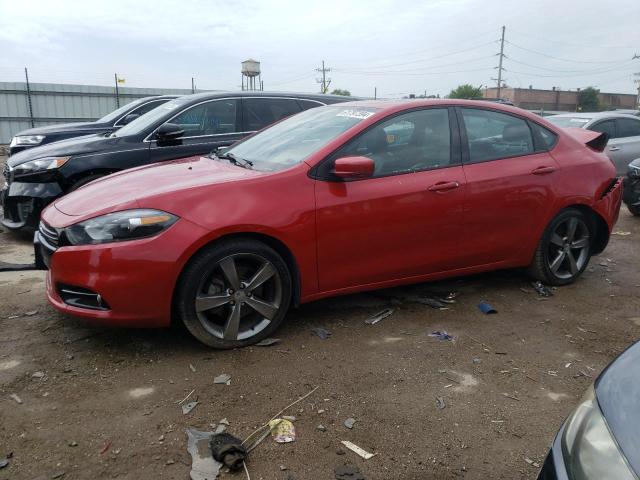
{"x":361,"y":114}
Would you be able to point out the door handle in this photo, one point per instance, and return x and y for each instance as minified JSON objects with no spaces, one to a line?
{"x":614,"y":149}
{"x":543,"y":170}
{"x":443,"y":186}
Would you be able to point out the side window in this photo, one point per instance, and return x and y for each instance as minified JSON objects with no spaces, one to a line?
{"x":411,"y":142}
{"x":211,"y":118}
{"x":260,"y":112}
{"x":307,"y":104}
{"x":492,"y":135}
{"x":627,"y":127}
{"x":147,"y":107}
{"x":607,"y":127}
{"x":544,"y":139}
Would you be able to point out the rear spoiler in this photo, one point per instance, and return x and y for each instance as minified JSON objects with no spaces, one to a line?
{"x":595,"y":140}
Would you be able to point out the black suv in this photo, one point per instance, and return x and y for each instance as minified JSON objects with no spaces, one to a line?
{"x":34,"y":137}
{"x":190,"y":125}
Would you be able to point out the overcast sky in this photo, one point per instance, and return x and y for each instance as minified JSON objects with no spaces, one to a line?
{"x":398,"y":47}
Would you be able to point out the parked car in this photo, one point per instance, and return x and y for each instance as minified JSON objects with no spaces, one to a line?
{"x":631,"y":190}
{"x":189,"y":125}
{"x":37,"y":136}
{"x":623,"y":131}
{"x":329,"y":202}
{"x":600,"y":438}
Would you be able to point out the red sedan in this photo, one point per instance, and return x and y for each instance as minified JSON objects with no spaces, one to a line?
{"x":334,"y":200}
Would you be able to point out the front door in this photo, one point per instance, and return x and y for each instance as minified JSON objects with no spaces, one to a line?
{"x":206,"y":126}
{"x":403,"y":222}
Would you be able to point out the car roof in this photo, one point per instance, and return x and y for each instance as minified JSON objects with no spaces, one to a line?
{"x":198,"y":97}
{"x":593,"y":115}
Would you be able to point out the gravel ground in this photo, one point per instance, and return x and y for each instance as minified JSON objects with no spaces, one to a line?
{"x":105,"y":402}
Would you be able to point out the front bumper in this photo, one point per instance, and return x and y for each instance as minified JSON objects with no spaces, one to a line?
{"x":23,"y":202}
{"x":631,"y":191}
{"x":134,"y":279}
{"x":553,"y":467}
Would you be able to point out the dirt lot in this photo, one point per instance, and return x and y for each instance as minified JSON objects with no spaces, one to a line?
{"x":106,"y":406}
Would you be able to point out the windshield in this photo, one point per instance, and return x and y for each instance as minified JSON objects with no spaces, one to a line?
{"x":121,"y":111}
{"x":142,"y":123}
{"x":291,"y":141}
{"x":563,"y":122}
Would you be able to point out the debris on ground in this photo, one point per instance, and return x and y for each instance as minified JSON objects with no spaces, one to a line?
{"x":440,"y":404}
{"x":30,"y":313}
{"x":432,"y":302}
{"x":621,"y":233}
{"x":192,"y":368}
{"x":349,"y":423}
{"x":322,"y":428}
{"x":187,"y":407}
{"x":228,"y":450}
{"x":531,"y":462}
{"x":4,"y":462}
{"x":38,"y":375}
{"x":444,"y":336}
{"x":186,"y":398}
{"x":348,"y":472}
{"x":542,"y":289}
{"x":356,"y":449}
{"x":321,"y":332}
{"x":267,"y":342}
{"x":486,"y":308}
{"x":203,"y":465}
{"x":16,"y":267}
{"x":15,"y":397}
{"x":477,"y":360}
{"x":106,"y":447}
{"x":282,"y":430}
{"x":222,"y":379}
{"x":379,"y":316}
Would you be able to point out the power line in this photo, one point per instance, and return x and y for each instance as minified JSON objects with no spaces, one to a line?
{"x":416,"y":70}
{"x":558,"y":58}
{"x":591,"y":46}
{"x":595,"y":70}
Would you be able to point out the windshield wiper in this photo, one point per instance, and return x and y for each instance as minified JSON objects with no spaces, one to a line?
{"x":241,"y":162}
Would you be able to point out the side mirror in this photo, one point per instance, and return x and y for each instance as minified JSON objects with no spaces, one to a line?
{"x":354,"y":167}
{"x":168,"y":132}
{"x":222,"y":150}
{"x":129,"y":118}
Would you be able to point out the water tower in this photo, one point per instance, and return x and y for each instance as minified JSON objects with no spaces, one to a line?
{"x":251,"y":71}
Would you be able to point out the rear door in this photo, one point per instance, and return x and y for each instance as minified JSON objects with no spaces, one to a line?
{"x":626,"y":146}
{"x":510,"y":182}
{"x":207,"y":126}
{"x":260,"y":112}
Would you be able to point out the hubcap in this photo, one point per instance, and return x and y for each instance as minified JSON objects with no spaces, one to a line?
{"x":568,"y":249}
{"x":239,"y":297}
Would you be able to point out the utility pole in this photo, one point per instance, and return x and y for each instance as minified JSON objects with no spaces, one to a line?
{"x":193,"y":85}
{"x":636,"y":81}
{"x":26,"y":77}
{"x":324,"y":81}
{"x":375,"y":93}
{"x":500,"y":69}
{"x":115,"y":76}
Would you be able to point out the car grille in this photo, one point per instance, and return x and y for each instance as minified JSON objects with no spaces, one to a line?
{"x":49,"y":236}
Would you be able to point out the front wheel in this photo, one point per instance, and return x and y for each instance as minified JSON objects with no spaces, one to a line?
{"x":234,"y":294}
{"x":564,"y":249}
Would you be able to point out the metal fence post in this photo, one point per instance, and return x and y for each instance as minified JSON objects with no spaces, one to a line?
{"x":115,"y":76}
{"x":26,"y":76}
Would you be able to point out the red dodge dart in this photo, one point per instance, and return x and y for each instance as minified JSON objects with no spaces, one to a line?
{"x":334,"y":200}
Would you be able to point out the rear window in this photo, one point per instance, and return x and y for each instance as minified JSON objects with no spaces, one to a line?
{"x":564,"y":122}
{"x":545,"y":139}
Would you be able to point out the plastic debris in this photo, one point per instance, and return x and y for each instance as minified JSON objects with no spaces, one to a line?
{"x":348,"y":472}
{"x":38,"y":375}
{"x":532,"y":463}
{"x":223,"y":379}
{"x":486,"y":308}
{"x":203,"y":465}
{"x":16,"y":398}
{"x":621,"y":233}
{"x":322,"y":428}
{"x":267,"y":342}
{"x":477,"y":360}
{"x":228,"y":450}
{"x":282,"y":430}
{"x":16,"y":267}
{"x":192,"y":368}
{"x":357,"y":450}
{"x":440,"y":403}
{"x":106,"y":447}
{"x":379,"y":316}
{"x":30,"y":313}
{"x":321,"y":332}
{"x":4,"y":462}
{"x":432,"y":302}
{"x":444,"y":336}
{"x":187,"y":407}
{"x":349,"y":423}
{"x":542,"y":289}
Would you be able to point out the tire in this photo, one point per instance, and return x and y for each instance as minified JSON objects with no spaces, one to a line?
{"x":561,"y":257}
{"x":225,"y":310}
{"x":84,"y":181}
{"x":634,"y":209}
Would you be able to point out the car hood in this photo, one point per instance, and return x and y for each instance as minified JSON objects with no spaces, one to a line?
{"x":129,"y":188}
{"x":72,"y":146}
{"x":618,"y":394}
{"x":63,"y":128}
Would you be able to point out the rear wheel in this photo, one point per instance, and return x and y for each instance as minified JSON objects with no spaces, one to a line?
{"x":564,"y":249}
{"x":634,"y":209}
{"x":234,"y":294}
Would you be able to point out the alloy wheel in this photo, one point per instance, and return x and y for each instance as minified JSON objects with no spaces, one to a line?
{"x":568,"y":249}
{"x":239,"y":297}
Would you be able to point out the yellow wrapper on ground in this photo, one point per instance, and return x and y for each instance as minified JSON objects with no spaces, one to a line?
{"x":282,"y":430}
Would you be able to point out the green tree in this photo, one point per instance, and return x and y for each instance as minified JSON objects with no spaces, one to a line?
{"x":339,"y":91}
{"x":466,"y":91}
{"x":588,"y":100}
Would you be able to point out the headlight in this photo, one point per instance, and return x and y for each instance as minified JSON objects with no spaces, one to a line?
{"x":634,"y":170}
{"x":27,"y":140}
{"x":39,"y":165}
{"x":114,"y":227}
{"x":590,"y":451}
